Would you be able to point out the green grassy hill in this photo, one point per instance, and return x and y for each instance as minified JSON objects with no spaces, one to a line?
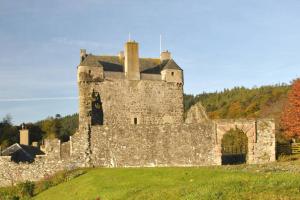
{"x":237,"y":182}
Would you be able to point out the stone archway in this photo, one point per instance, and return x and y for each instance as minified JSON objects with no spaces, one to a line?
{"x":223,"y":126}
{"x":260,"y":134}
{"x":234,"y":147}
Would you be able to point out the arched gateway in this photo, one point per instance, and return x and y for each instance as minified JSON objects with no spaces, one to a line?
{"x":260,"y":135}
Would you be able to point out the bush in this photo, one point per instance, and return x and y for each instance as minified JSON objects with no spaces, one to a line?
{"x":8,"y":193}
{"x":26,"y":189}
{"x":74,"y":174}
{"x":46,"y":184}
{"x":50,"y":181}
{"x":288,"y":158}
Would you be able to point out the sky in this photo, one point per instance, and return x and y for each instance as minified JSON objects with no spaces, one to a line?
{"x":219,"y":44}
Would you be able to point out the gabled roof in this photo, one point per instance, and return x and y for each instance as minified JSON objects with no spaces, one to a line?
{"x":115,"y":64}
{"x":91,"y":61}
{"x":156,"y":69}
{"x":171,"y":64}
{"x":21,"y":153}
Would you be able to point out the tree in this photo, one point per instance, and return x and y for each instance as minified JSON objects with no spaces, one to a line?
{"x":48,"y":127}
{"x":7,"y":119}
{"x":9,"y":134}
{"x":290,"y":119}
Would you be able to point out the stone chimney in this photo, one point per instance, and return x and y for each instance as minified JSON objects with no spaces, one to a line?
{"x":165,"y":55}
{"x":121,"y":57}
{"x":82,"y":54}
{"x":24,"y":136}
{"x":132,"y":66}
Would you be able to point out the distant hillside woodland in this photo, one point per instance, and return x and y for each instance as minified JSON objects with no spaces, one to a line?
{"x":239,"y":102}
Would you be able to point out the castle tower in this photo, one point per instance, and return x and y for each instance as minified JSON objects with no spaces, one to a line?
{"x":24,"y":136}
{"x":132,"y":66}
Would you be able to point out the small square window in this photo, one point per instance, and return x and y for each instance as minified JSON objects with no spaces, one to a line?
{"x":172,"y":73}
{"x":135,"y":120}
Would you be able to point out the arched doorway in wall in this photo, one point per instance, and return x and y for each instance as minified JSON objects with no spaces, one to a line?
{"x":234,"y":147}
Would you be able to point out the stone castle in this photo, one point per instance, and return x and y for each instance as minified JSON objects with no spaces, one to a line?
{"x":131,"y":115}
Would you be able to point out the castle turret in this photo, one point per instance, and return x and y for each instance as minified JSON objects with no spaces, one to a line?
{"x":132,"y":66}
{"x":171,"y":72}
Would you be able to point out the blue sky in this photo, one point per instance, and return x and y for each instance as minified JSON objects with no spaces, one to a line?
{"x":219,"y":44}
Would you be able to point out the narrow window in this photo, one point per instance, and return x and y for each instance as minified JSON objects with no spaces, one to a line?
{"x":135,"y":120}
{"x":90,"y":71}
{"x":172,"y":73}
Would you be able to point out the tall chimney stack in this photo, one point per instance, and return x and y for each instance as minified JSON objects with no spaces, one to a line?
{"x":165,"y":55}
{"x":24,"y":136}
{"x":132,"y":66}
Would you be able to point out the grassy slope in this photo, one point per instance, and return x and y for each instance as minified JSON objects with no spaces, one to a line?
{"x":178,"y":183}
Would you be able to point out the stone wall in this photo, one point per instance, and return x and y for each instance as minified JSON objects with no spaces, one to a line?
{"x":160,"y":145}
{"x":196,"y":114}
{"x":42,"y":167}
{"x":156,"y":77}
{"x":65,"y":150}
{"x":194,"y":144}
{"x":150,"y":102}
{"x":80,"y":147}
{"x":52,"y":149}
{"x":12,"y":173}
{"x":264,"y":148}
{"x":191,"y":144}
{"x":114,"y":75}
{"x":120,"y":75}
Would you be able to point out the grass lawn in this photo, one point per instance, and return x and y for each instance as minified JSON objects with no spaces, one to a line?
{"x":177,"y":183}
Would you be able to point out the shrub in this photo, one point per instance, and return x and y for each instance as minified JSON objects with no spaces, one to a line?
{"x":288,"y":158}
{"x":74,"y":174}
{"x":26,"y":189}
{"x":29,"y":189}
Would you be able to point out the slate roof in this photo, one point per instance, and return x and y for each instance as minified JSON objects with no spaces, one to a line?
{"x":22,"y":153}
{"x":171,"y":64}
{"x":115,"y":64}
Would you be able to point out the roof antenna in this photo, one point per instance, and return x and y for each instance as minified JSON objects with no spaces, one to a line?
{"x":160,"y":43}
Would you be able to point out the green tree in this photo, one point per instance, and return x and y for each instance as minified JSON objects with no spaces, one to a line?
{"x":9,"y":134}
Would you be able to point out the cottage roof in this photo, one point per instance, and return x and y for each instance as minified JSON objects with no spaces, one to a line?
{"x":21,"y":153}
{"x":116,"y":64}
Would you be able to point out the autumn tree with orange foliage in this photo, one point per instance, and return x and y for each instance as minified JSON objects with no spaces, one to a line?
{"x":290,"y":119}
